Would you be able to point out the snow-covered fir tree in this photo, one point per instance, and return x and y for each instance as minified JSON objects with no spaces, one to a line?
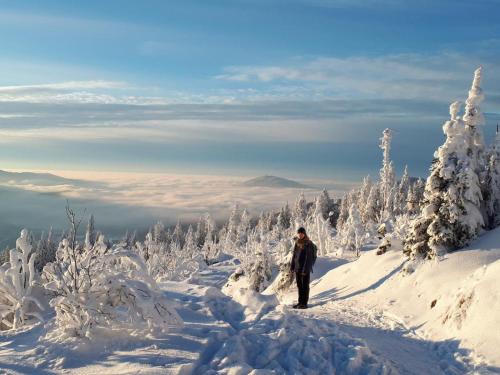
{"x":159,"y":232}
{"x":401,"y":196}
{"x":323,"y":204}
{"x":279,"y":228}
{"x":243,"y":228}
{"x":492,"y":184}
{"x":299,"y":211}
{"x":415,"y":197}
{"x":319,"y":229}
{"x":451,"y":215}
{"x":211,"y":248}
{"x":474,"y":120}
{"x":90,"y":233}
{"x":370,"y":214}
{"x":387,"y":176}
{"x":344,"y":210}
{"x":45,"y":250}
{"x":364,"y":193}
{"x":353,"y":232}
{"x":231,"y":229}
{"x":178,"y":234}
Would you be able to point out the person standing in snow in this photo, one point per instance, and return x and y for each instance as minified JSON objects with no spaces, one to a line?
{"x":304,"y":256}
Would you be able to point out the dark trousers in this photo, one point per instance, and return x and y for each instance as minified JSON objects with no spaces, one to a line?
{"x":303,"y":286}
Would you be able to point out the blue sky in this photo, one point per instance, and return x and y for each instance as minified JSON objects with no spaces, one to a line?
{"x":297,"y":87}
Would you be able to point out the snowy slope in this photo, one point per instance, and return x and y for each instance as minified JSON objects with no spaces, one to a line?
{"x":220,"y":336}
{"x":456,"y":299}
{"x":366,"y":317}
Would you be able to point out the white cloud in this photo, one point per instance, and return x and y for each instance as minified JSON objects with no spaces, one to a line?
{"x":69,"y":85}
{"x":321,"y":98}
{"x":391,"y":76}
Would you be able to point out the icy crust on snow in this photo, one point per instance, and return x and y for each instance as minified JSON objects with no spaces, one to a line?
{"x":457,"y":297}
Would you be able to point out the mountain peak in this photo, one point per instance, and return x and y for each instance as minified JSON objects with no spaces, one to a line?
{"x":274,"y":182}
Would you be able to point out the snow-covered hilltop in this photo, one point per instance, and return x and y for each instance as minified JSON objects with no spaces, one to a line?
{"x":407,"y":281}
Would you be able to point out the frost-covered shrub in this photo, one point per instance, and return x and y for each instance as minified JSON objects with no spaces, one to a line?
{"x":285,"y":277}
{"x":179,"y":263}
{"x":99,"y":288}
{"x":259,"y":272}
{"x":255,"y":271}
{"x":17,"y":278}
{"x":180,"y":255}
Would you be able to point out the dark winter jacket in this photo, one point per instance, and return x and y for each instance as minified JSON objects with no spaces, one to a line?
{"x":302,"y":260}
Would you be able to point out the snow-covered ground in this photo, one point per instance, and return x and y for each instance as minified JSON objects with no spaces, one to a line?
{"x":366,"y":317}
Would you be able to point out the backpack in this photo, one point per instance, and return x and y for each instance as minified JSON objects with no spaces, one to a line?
{"x":314,"y":254}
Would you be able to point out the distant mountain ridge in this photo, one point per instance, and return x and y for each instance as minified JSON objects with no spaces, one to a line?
{"x":275,"y":182}
{"x":35,"y":178}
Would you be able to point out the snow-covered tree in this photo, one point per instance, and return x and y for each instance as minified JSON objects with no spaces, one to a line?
{"x":387,"y":175}
{"x":451,"y":215}
{"x":4,"y":256}
{"x":299,"y":211}
{"x":259,"y":270}
{"x":190,"y":248}
{"x":323,"y":204}
{"x":285,"y":276}
{"x":286,"y":216}
{"x":243,"y":228}
{"x":333,"y":215}
{"x":160,"y":234}
{"x":115,"y":292}
{"x":129,"y":239}
{"x":345,"y":204}
{"x":265,"y":223}
{"x":45,"y":250}
{"x":492,"y":185}
{"x":400,"y":203}
{"x":17,"y":279}
{"x":415,"y":197}
{"x":200,"y":232}
{"x":320,"y":230}
{"x":178,"y":234}
{"x":279,"y":228}
{"x":211,"y":248}
{"x":370,"y":213}
{"x":473,"y":119}
{"x":364,"y":193}
{"x":353,"y":232}
{"x":90,"y":233}
{"x":97,"y":287}
{"x":231,"y":229}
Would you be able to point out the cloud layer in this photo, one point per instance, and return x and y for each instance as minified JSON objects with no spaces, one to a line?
{"x":331,"y":97}
{"x":131,"y":201}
